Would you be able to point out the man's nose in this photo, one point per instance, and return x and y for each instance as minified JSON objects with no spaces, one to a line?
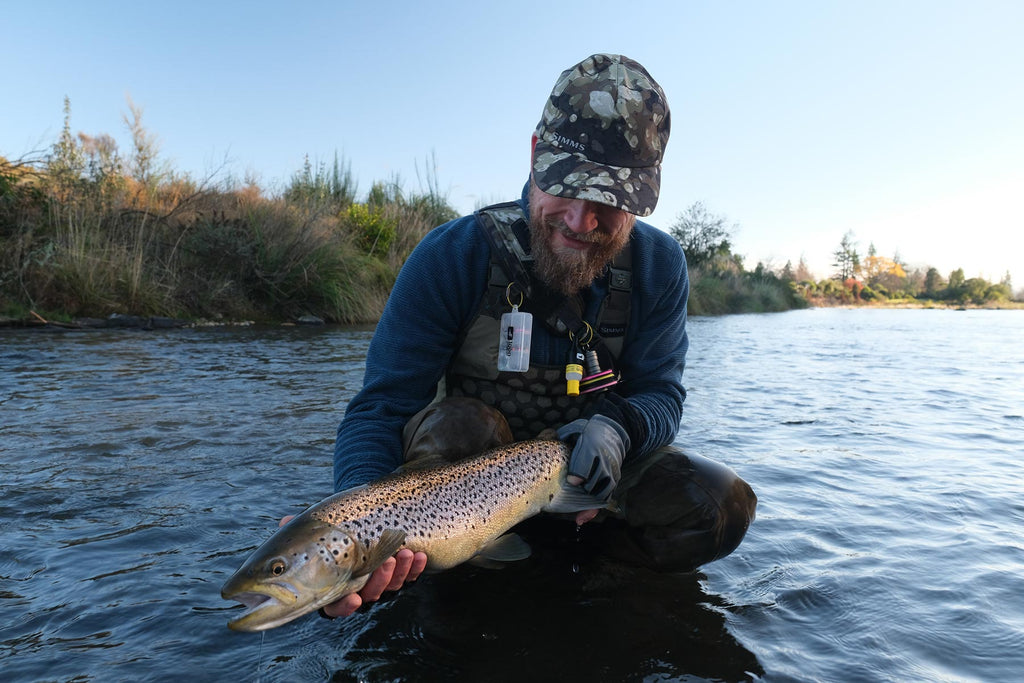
{"x":580,"y":216}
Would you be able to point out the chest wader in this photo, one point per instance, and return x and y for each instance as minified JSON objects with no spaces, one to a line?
{"x":534,"y":400}
{"x":674,"y":512}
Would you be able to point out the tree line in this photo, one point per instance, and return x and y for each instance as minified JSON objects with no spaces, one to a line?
{"x":89,"y":230}
{"x":880,"y":278}
{"x":719,"y":283}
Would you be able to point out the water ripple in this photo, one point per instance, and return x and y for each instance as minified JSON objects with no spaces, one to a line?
{"x":137,"y":471}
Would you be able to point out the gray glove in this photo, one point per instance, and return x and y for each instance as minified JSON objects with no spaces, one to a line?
{"x":596,"y":460}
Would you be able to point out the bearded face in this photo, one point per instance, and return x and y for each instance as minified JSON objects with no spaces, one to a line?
{"x":573,"y":240}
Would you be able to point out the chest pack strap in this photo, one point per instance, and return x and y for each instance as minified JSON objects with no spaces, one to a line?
{"x":500,"y":224}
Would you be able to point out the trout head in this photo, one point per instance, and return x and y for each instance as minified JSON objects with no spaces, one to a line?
{"x":305,"y":565}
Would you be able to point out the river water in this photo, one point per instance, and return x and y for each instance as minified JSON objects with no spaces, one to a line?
{"x":139,"y":469}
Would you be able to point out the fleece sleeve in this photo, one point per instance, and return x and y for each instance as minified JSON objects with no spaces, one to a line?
{"x":654,"y":355}
{"x":437,"y":292}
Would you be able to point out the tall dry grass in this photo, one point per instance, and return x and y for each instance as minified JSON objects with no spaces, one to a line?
{"x":87,"y":243}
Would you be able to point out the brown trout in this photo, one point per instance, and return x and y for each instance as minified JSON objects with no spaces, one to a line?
{"x":453,"y":512}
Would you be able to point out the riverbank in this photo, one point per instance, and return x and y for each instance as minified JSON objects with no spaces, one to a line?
{"x":924,"y":305}
{"x":137,"y":322}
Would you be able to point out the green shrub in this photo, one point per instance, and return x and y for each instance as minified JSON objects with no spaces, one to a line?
{"x":374,"y":231}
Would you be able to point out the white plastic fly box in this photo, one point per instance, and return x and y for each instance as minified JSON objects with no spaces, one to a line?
{"x":514,"y":341}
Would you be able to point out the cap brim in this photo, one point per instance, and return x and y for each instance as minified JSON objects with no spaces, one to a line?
{"x":573,"y":176}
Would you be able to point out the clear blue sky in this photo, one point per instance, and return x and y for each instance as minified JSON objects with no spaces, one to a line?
{"x":901,"y":120}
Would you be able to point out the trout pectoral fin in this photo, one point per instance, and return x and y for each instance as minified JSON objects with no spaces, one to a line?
{"x":507,"y":548}
{"x":388,"y":544}
{"x":574,"y":499}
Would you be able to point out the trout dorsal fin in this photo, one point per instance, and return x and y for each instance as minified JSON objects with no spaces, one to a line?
{"x":422,"y":463}
{"x":388,"y":544}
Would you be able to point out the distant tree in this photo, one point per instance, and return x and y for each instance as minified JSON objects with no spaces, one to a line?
{"x":142,"y":165}
{"x":955,"y":286}
{"x":898,"y":260}
{"x":1007,"y":282}
{"x":999,"y":292}
{"x":65,"y":164}
{"x":976,"y":290}
{"x":101,"y":155}
{"x":913,"y":285}
{"x":704,"y":236}
{"x":803,"y":273}
{"x":846,"y":260}
{"x":933,"y":283}
{"x":883,"y":273}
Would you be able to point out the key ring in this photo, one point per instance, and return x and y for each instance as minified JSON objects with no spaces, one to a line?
{"x":508,"y":297}
{"x":590,"y":336}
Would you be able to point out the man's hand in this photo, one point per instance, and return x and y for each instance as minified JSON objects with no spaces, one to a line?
{"x":405,"y":567}
{"x":596,"y":461}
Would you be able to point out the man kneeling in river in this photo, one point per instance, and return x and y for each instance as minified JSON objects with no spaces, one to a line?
{"x":562,"y":311}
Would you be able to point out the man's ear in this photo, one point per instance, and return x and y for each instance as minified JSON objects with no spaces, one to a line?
{"x":533,"y":146}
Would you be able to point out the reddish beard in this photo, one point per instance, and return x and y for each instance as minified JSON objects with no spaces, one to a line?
{"x":569,"y":270}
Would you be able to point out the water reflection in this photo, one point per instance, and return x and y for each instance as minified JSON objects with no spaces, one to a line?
{"x":538,"y":620}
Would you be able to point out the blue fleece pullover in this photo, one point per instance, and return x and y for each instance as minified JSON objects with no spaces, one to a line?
{"x":437,"y":295}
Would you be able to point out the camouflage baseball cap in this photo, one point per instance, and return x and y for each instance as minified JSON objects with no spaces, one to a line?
{"x":603,"y":135}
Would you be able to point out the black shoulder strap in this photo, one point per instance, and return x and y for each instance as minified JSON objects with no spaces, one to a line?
{"x":506,"y":249}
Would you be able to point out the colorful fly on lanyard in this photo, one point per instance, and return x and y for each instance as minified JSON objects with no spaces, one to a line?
{"x":583,"y":373}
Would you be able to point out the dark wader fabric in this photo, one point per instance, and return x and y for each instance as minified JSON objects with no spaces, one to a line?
{"x":676,"y":511}
{"x":455,"y":428}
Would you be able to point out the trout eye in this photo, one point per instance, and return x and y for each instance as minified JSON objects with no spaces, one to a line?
{"x":277,"y":567}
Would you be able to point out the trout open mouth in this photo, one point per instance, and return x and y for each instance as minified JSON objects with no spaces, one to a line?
{"x":258,"y":603}
{"x":251,"y":601}
{"x":254,"y":603}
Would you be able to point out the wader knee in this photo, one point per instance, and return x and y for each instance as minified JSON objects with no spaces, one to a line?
{"x":454,"y":428}
{"x":678,"y":512}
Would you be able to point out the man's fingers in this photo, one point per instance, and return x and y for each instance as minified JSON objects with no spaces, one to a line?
{"x":405,"y":566}
{"x":403,"y":563}
{"x":584,"y":516}
{"x":345,"y":606}
{"x":419,"y":563}
{"x":379,"y":580}
{"x":285,"y":520}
